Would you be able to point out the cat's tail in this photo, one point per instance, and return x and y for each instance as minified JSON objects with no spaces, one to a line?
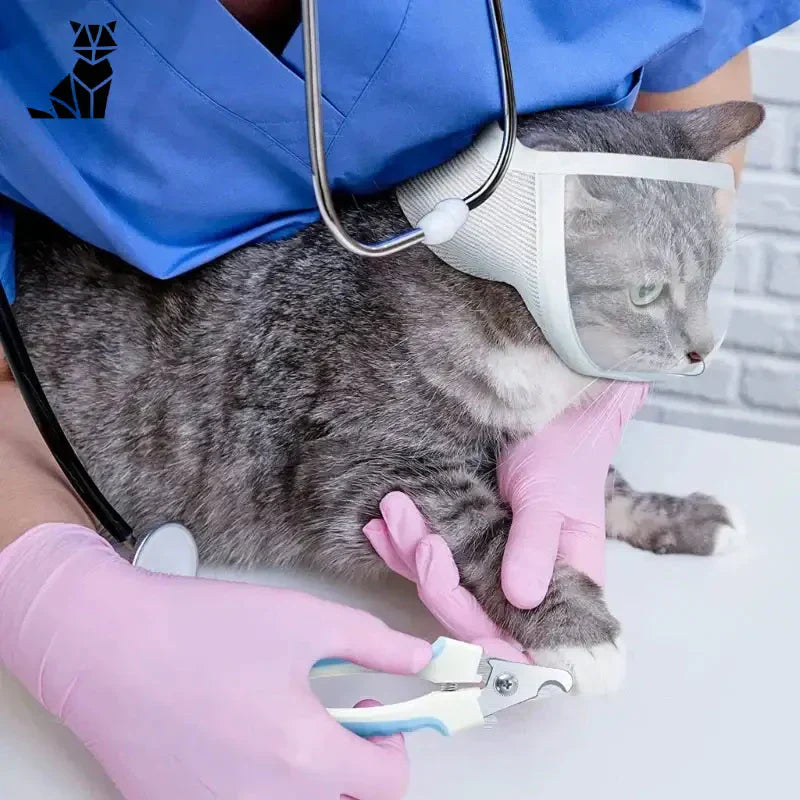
{"x":36,"y":114}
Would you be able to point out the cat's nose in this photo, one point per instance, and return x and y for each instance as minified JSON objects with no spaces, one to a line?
{"x":699,"y":346}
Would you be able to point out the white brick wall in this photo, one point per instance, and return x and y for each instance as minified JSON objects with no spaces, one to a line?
{"x":753,"y":386}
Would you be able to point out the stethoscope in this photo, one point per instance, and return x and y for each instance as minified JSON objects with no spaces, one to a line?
{"x":170,"y":547}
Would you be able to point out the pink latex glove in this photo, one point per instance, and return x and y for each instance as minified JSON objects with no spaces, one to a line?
{"x":403,"y":540}
{"x":554,"y":482}
{"x":190,"y":688}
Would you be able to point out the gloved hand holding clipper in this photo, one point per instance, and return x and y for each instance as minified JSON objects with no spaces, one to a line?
{"x":184,"y":687}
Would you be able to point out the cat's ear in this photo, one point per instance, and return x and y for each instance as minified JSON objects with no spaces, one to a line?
{"x":538,"y":139}
{"x":76,"y":26}
{"x":713,"y":131}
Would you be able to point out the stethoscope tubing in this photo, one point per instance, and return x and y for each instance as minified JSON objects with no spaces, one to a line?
{"x":53,"y":434}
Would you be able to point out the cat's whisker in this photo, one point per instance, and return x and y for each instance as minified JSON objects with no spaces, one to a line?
{"x":519,"y":467}
{"x":622,"y":400}
{"x":597,"y":424}
{"x":577,"y":395}
{"x":610,"y":384}
{"x":595,"y":400}
{"x":616,"y":402}
{"x":595,"y":427}
{"x":613,"y":385}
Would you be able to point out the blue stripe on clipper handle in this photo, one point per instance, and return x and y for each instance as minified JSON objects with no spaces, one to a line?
{"x":390,"y":727}
{"x":438,"y":647}
{"x":329,"y":662}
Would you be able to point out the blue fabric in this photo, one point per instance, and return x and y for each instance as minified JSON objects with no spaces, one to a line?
{"x":728,"y":27}
{"x":203,"y":145}
{"x":6,"y":246}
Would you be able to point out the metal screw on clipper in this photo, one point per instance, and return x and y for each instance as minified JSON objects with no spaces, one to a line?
{"x":506,"y":684}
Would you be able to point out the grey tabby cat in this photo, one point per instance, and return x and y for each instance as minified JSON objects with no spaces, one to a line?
{"x":272,"y":398}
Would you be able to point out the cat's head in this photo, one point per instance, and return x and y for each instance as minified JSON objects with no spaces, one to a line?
{"x":93,"y":43}
{"x":641,"y":254}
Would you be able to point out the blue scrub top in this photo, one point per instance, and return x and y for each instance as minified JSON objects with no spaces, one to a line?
{"x":203,"y":143}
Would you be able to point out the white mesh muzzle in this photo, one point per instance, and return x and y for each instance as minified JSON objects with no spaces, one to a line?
{"x":517,"y":235}
{"x":498,"y":240}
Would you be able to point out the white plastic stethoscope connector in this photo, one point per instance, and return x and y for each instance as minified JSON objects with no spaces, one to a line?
{"x":444,"y":220}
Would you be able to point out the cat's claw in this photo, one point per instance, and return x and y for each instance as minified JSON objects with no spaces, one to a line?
{"x":730,"y":538}
{"x":599,"y":669}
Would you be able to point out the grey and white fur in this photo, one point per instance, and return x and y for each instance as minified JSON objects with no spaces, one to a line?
{"x":272,"y":398}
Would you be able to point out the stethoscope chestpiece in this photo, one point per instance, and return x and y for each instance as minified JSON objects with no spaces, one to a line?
{"x":169,"y":549}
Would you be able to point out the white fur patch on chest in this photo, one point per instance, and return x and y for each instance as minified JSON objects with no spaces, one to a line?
{"x":532,"y":384}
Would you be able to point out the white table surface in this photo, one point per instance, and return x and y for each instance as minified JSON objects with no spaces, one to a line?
{"x":710,"y":706}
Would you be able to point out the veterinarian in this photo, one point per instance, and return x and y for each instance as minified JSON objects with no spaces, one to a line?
{"x":189,"y":688}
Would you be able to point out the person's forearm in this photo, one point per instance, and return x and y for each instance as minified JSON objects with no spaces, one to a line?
{"x":732,"y":81}
{"x":33,"y":489}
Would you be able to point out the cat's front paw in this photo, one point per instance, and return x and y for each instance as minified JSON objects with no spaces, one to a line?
{"x":573,"y":629}
{"x":697,"y":524}
{"x":730,"y":536}
{"x":599,"y":669}
{"x":703,"y":527}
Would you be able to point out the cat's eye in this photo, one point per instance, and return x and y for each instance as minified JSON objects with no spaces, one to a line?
{"x":646,"y":293}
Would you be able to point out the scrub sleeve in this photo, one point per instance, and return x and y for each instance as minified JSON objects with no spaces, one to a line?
{"x":6,"y":244}
{"x":728,"y":27}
